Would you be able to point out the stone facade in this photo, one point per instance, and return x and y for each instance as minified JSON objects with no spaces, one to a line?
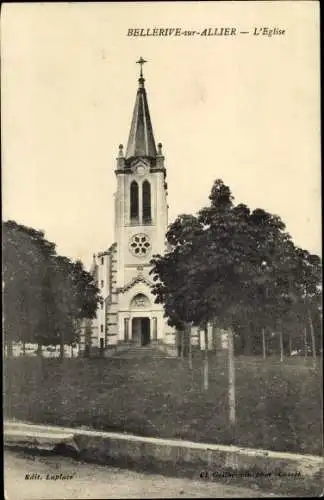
{"x":128,"y":313}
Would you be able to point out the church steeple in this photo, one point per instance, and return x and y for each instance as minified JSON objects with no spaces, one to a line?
{"x":141,"y":138}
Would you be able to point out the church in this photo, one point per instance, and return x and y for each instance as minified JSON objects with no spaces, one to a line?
{"x":127,"y":315}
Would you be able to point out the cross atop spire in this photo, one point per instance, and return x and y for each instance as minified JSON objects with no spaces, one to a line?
{"x":141,"y":61}
{"x":141,"y":138}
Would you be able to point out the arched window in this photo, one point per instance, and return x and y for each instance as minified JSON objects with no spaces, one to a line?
{"x":146,"y":202}
{"x":134,"y":201}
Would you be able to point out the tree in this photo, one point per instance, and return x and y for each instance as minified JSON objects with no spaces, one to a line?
{"x":75,"y":296}
{"x":85,"y":296}
{"x":25,"y":255}
{"x":45,"y":295}
{"x":308,"y":283}
{"x":171,"y":275}
{"x":234,"y":266}
{"x":299,"y":303}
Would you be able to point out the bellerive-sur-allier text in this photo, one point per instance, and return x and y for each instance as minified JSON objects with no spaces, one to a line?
{"x":206,"y":32}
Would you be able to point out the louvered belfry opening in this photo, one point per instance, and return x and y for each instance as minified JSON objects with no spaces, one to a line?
{"x":147,"y":217}
{"x":134,"y":206}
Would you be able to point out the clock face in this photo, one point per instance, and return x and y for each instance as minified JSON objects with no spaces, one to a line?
{"x":140,"y":170}
{"x":140,"y":245}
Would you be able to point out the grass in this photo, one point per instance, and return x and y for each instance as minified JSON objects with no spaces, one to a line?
{"x":278,"y":405}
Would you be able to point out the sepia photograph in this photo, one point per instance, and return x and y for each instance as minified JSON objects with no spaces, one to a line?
{"x":161,"y":250}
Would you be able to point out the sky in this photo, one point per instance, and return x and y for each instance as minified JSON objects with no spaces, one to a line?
{"x":244,"y":108}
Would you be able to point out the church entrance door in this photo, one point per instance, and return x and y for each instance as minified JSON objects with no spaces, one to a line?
{"x":141,"y":331}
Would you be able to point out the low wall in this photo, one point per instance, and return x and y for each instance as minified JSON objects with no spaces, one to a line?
{"x":113,"y":349}
{"x":179,"y":457}
{"x":103,"y":446}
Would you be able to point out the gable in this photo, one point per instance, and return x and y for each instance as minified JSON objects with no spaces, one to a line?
{"x":133,"y":282}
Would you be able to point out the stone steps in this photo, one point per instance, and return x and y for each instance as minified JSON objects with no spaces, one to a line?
{"x":142,"y":352}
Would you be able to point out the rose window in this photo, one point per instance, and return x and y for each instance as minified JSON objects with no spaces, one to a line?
{"x":140,"y":245}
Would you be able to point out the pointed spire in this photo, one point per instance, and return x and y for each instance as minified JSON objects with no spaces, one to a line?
{"x":141,"y":138}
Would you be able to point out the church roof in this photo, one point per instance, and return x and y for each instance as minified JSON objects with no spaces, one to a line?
{"x":141,"y":138}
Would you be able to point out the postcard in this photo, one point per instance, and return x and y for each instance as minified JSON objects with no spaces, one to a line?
{"x":161,"y":249}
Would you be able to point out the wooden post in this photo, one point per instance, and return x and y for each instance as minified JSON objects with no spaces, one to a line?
{"x":281,"y":347}
{"x":189,"y":347}
{"x":62,"y":342}
{"x":290,"y":345}
{"x":311,"y":327}
{"x":231,"y":378}
{"x":305,"y":343}
{"x":281,"y":343}
{"x":214,"y":336}
{"x":9,"y":349}
{"x":206,"y":358}
{"x":182,"y":343}
{"x":264,"y":351}
{"x":178,"y":342}
{"x":62,"y":348}
{"x":87,"y":339}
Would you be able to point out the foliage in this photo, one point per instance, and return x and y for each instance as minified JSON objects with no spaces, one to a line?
{"x":44,"y":294}
{"x":237,"y":266}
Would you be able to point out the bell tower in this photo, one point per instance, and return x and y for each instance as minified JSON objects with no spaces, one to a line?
{"x":141,"y":208}
{"x":128,"y":314}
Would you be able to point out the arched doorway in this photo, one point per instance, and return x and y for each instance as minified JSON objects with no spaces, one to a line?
{"x":141,"y":324}
{"x":141,"y":331}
